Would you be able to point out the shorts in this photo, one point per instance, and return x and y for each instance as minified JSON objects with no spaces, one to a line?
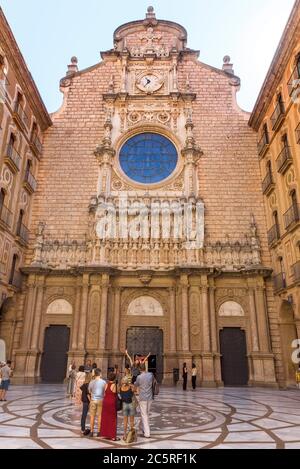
{"x":95,"y":408}
{"x":5,"y":384}
{"x":128,"y":409}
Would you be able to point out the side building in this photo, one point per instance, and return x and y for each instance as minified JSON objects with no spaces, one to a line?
{"x":276,"y":118}
{"x":23,"y":119}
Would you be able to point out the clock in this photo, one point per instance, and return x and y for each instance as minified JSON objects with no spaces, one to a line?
{"x":149,"y":83}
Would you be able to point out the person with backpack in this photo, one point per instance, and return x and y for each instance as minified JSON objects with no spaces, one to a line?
{"x":128,"y":408}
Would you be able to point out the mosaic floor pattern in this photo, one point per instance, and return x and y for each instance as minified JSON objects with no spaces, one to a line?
{"x":41,"y":416}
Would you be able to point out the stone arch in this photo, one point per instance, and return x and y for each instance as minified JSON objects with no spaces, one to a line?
{"x":133,"y":295}
{"x":231,"y":309}
{"x":145,"y":306}
{"x":288,"y":333}
{"x":60,"y":306}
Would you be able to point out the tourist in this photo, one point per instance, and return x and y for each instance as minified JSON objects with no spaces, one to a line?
{"x":135,"y":364}
{"x":194,"y":376}
{"x":128,"y":405}
{"x":70,"y":366}
{"x":144,"y":387}
{"x":127,"y":374}
{"x":117,"y":372}
{"x":96,"y":389}
{"x":79,"y":380}
{"x":88,"y":366}
{"x":94,"y":368}
{"x":184,"y":376}
{"x":6,"y":373}
{"x":71,"y":381}
{"x":85,"y":399}
{"x":109,"y":410}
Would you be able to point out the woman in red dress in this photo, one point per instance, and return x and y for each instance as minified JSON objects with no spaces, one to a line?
{"x":109,"y":410}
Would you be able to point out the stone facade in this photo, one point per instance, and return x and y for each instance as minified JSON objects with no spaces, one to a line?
{"x":276,"y":119}
{"x":219,"y":282}
{"x":23,"y":118}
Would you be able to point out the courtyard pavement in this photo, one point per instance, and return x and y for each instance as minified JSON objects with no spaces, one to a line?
{"x":41,"y":416}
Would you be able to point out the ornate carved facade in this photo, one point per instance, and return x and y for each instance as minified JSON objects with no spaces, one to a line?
{"x":148,"y":217}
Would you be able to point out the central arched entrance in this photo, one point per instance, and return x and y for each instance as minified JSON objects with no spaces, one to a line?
{"x":144,"y":340}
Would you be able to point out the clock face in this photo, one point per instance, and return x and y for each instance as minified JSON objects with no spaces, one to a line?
{"x":149,"y":83}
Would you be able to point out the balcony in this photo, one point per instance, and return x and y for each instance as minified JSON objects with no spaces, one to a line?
{"x":292,"y":216}
{"x":20,"y":116}
{"x":263,"y":145}
{"x":268,"y":184}
{"x":17,"y":280}
{"x":273,"y":235}
{"x":36,"y":145}
{"x":5,"y":217}
{"x":278,"y":116}
{"x":297,"y":131}
{"x":30,"y":183}
{"x":284,"y":160}
{"x":294,"y":81}
{"x":12,"y":159}
{"x":23,"y":234}
{"x":279,"y":282}
{"x":296,"y":269}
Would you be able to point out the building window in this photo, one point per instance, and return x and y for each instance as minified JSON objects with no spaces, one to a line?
{"x":13,"y":269}
{"x":276,"y":224}
{"x":148,"y":158}
{"x":20,"y":222}
{"x":2,"y":199}
{"x":266,"y":134}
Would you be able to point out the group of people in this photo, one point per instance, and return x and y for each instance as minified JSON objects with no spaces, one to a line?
{"x":5,"y":375}
{"x":102,"y":399}
{"x":185,"y":376}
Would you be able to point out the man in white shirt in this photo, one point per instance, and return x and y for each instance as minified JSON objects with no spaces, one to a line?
{"x":96,"y":389}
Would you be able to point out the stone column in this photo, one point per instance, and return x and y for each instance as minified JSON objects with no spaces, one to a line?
{"x":263,"y":328}
{"x":253,"y":321}
{"x":76,"y":315}
{"x":214,"y":334}
{"x":116,"y":326}
{"x":38,"y":314}
{"x":172,"y":320}
{"x":28,"y":313}
{"x":208,"y":375}
{"x":102,"y":356}
{"x":205,"y":320}
{"x":83,"y":313}
{"x":185,"y":314}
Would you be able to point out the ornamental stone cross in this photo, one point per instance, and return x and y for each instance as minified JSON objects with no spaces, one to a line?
{"x":150,"y":37}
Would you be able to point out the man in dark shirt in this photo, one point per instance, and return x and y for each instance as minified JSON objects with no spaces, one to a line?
{"x":85,"y":398}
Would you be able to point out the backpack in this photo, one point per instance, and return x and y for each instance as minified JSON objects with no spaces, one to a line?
{"x":155,"y":388}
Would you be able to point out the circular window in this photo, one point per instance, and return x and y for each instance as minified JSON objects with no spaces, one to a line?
{"x":148,"y":158}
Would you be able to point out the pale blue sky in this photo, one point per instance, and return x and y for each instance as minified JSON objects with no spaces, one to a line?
{"x":49,"y":32}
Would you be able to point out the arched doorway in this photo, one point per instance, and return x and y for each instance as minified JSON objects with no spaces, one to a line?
{"x":55,"y":355}
{"x":144,"y":340}
{"x":288,"y":333}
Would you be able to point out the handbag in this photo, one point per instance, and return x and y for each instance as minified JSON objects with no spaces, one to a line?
{"x":119,"y":403}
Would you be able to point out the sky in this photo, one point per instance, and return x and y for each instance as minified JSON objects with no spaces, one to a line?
{"x":50,"y":32}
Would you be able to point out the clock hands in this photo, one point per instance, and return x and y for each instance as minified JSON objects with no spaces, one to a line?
{"x":148,"y":81}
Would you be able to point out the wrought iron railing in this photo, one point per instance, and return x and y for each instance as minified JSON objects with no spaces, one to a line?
{"x":292,"y":215}
{"x":30,"y":180}
{"x":278,"y":115}
{"x":19,"y":110}
{"x":267,"y":182}
{"x":263,"y":144}
{"x":13,"y":156}
{"x":279,"y":282}
{"x":273,"y":235}
{"x":294,"y":81}
{"x":296,"y":269}
{"x":5,"y":216}
{"x":23,"y":233}
{"x":284,"y":159}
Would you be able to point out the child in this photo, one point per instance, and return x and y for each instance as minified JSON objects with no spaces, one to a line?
{"x":85,"y":398}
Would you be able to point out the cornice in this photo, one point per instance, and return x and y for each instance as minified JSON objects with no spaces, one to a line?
{"x":23,"y":75}
{"x":278,"y":66}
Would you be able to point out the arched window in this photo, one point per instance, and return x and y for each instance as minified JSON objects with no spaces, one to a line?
{"x":13,"y":269}
{"x":2,"y":199}
{"x":269,"y":167}
{"x":281,"y":103}
{"x":266,"y":134}
{"x":11,"y":144}
{"x":276,"y":223}
{"x":20,"y":222}
{"x":295,"y":205}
